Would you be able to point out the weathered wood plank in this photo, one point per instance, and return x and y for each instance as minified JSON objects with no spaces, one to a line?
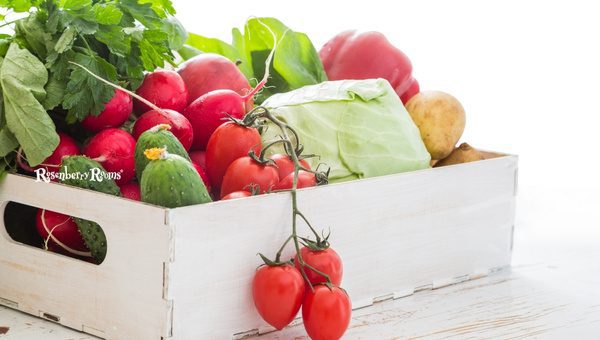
{"x":122,"y":297}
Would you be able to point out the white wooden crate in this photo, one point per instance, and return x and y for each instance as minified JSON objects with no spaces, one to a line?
{"x":185,"y":273}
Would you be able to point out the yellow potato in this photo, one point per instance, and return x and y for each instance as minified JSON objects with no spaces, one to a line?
{"x":441,"y":120}
{"x":462,"y":154}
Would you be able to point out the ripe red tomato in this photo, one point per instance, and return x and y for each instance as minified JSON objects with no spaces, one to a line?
{"x":326,"y":313}
{"x":285,"y":165}
{"x":278,"y":292}
{"x":326,"y":261}
{"x":229,"y":142}
{"x":305,"y":180}
{"x":237,"y":194}
{"x":245,"y":172}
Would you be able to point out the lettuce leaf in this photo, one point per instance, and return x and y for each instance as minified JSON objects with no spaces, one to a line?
{"x":359,"y":128}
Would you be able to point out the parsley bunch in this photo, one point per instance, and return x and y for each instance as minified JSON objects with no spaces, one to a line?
{"x":116,"y":39}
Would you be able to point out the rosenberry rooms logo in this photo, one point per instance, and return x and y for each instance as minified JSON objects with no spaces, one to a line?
{"x":94,"y":175}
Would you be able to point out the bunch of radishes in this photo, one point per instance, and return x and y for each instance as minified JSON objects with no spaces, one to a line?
{"x":197,"y":100}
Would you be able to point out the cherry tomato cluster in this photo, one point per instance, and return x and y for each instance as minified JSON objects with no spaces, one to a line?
{"x":311,"y":280}
{"x":234,"y":170}
{"x":280,"y":290}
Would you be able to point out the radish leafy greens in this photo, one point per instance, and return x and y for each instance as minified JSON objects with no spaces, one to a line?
{"x":117,"y":40}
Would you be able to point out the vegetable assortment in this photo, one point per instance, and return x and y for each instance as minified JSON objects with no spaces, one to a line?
{"x":119,"y":91}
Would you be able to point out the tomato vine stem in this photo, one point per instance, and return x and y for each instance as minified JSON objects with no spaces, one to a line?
{"x":294,"y":152}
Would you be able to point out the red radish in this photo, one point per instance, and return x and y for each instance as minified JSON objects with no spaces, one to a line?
{"x":203,"y":175}
{"x":114,"y":149}
{"x":229,"y":142}
{"x":115,"y":113}
{"x":180,"y":126}
{"x":131,"y":190}
{"x":210,"y":110}
{"x":67,"y":146}
{"x":237,"y":194}
{"x":199,"y":157}
{"x":165,"y":89}
{"x":305,"y":180}
{"x":60,"y":230}
{"x":176,"y":123}
{"x":53,"y":248}
{"x":208,"y":72}
{"x":285,"y":164}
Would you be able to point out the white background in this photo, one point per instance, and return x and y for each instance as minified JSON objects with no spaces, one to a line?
{"x":527,"y":73}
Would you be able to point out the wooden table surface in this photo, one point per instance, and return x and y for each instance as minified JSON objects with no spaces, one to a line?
{"x":552,"y":290}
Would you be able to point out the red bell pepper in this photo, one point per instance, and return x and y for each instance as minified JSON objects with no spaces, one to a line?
{"x":353,"y":55}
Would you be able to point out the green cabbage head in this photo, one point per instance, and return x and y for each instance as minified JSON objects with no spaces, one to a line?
{"x":359,"y":128}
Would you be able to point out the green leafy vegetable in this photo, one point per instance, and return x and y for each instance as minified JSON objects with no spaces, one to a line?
{"x":117,"y":40}
{"x":359,"y":128}
{"x":212,"y":45}
{"x":22,"y":78}
{"x":134,"y":36}
{"x":65,"y":42}
{"x":82,"y":88}
{"x":20,"y":5}
{"x":107,"y":14}
{"x":8,"y":142}
{"x":33,"y":35}
{"x":55,"y":92}
{"x":295,"y":64}
{"x":75,"y":4}
{"x":176,"y":33}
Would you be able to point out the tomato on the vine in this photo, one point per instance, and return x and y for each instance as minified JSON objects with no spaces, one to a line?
{"x":326,"y":261}
{"x":229,"y":142}
{"x":246,"y":172}
{"x":326,"y":313}
{"x":305,"y":180}
{"x":237,"y":194}
{"x":285,"y":164}
{"x":278,"y":292}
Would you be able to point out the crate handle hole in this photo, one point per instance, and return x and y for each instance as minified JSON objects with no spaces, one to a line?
{"x":54,"y":232}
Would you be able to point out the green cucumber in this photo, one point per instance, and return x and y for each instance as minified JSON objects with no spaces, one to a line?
{"x":91,"y":232}
{"x":93,"y":236}
{"x":86,"y":173}
{"x":156,"y":137}
{"x":171,"y":181}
